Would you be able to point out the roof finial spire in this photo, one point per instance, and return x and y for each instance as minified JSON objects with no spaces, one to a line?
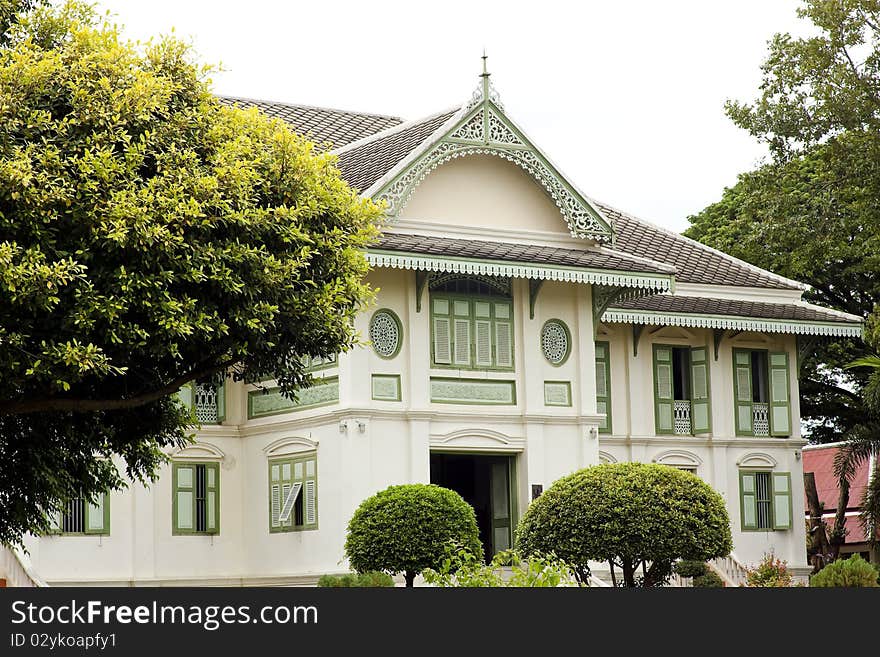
{"x":485,"y":73}
{"x":485,"y":76}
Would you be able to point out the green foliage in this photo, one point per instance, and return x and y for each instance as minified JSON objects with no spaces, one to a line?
{"x":686,"y":568}
{"x":771,"y":572}
{"x":813,"y":212}
{"x":628,"y":514}
{"x":371,"y":579}
{"x":462,"y":568}
{"x":708,"y":580}
{"x":148,"y":236}
{"x":852,"y":572}
{"x":407,"y":528}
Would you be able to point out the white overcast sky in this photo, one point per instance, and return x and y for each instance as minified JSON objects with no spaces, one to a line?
{"x":626,"y":97}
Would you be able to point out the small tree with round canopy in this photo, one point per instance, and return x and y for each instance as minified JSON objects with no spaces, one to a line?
{"x":407,"y":528}
{"x":632,"y":515}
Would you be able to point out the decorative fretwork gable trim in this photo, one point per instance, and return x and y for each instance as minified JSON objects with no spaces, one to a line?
{"x":756,"y":324}
{"x":482,"y":128}
{"x":656,"y":283}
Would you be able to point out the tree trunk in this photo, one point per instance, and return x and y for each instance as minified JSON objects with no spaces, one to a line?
{"x":410,"y":577}
{"x":838,"y":533}
{"x":629,"y":572}
{"x":613,"y":576}
{"x":817,"y":530}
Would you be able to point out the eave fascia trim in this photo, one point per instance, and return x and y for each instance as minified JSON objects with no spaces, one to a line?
{"x":400,"y":260}
{"x":760,"y":325}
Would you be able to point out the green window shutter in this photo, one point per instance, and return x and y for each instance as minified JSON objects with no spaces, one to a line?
{"x":748,"y":500}
{"x":221,"y":402}
{"x":442,"y":334}
{"x":780,"y":416}
{"x":742,"y":391}
{"x":274,"y":495}
{"x":603,"y":385}
{"x":212,"y":498}
{"x":483,"y":328}
{"x":700,"y":406}
{"x":55,"y":524}
{"x":98,"y":516}
{"x":781,"y":500}
{"x":183,"y":500}
{"x":503,"y":344}
{"x":462,"y":342}
{"x":187,"y":395}
{"x":310,"y":494}
{"x":663,"y":389}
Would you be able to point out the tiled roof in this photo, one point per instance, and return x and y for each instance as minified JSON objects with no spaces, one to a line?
{"x":364,"y":164}
{"x":820,"y":461}
{"x":665,"y":303}
{"x":522,"y":253}
{"x":695,"y":262}
{"x":321,"y":124}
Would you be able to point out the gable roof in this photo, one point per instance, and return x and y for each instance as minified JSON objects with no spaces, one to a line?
{"x":370,"y":146}
{"x":321,"y":124}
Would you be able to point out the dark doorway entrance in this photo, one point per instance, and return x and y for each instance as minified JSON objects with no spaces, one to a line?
{"x":484,"y":481}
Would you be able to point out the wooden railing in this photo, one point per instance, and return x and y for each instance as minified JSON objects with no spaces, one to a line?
{"x":16,"y":569}
{"x":731,"y":570}
{"x":681,"y":417}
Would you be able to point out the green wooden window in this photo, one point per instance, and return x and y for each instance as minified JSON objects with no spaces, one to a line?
{"x":293,"y":493}
{"x":471,"y":332}
{"x":603,"y":385}
{"x":83,"y":517}
{"x":195,"y":498}
{"x":765,"y":500}
{"x":681,"y":390}
{"x":761,"y":393}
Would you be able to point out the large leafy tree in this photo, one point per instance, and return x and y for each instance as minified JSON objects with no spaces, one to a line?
{"x":812,"y":212}
{"x":148,"y":237}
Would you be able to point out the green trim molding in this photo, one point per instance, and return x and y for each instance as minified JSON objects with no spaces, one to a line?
{"x":263,"y":404}
{"x":415,"y":261}
{"x":557,"y":393}
{"x":732,"y":323}
{"x":386,"y":387}
{"x":480,"y":392}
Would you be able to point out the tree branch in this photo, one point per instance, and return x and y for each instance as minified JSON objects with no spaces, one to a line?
{"x":23,"y":406}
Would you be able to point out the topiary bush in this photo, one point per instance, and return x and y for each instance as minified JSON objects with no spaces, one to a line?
{"x":407,"y":528}
{"x":771,"y":572}
{"x":850,"y":573}
{"x":370,"y":579}
{"x":708,"y":580}
{"x":633,"y":515}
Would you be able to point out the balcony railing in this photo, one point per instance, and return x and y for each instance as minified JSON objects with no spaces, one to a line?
{"x":681,"y":417}
{"x":206,"y":403}
{"x":761,"y":419}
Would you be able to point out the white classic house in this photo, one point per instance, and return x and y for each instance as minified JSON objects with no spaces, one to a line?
{"x":522,"y":330}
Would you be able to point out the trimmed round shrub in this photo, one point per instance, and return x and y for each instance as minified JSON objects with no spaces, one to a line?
{"x":852,"y":572}
{"x":407,"y":528}
{"x":633,"y":515}
{"x":687,"y":568}
{"x":708,"y":580}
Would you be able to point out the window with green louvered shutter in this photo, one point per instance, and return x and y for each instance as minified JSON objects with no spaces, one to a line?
{"x":765,"y":500}
{"x":603,"y":385}
{"x":293,"y":493}
{"x":195,"y":498}
{"x":663,"y":389}
{"x":742,"y":391}
{"x":471,"y":332}
{"x":701,"y":420}
{"x":83,"y":517}
{"x":780,"y":413}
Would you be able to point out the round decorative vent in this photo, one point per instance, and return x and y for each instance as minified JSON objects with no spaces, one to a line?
{"x":555,"y":341}
{"x":385,"y":333}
